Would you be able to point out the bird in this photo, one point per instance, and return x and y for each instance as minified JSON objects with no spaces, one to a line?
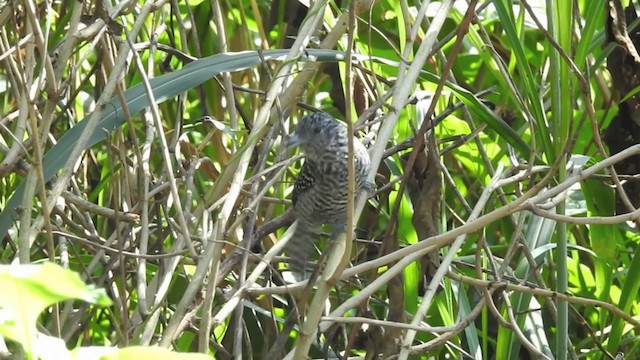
{"x":321,"y":188}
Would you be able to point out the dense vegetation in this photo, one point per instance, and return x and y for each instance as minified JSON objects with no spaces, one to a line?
{"x":142,"y":145}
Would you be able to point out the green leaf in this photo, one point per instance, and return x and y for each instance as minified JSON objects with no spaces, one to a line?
{"x":29,"y":289}
{"x":627,"y":299}
{"x":136,"y":99}
{"x":149,"y":353}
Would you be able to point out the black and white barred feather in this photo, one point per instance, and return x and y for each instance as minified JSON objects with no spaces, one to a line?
{"x":320,"y":190}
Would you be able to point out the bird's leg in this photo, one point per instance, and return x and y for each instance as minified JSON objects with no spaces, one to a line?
{"x":336,"y":232}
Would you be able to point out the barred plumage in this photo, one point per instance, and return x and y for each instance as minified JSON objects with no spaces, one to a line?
{"x":320,"y":191}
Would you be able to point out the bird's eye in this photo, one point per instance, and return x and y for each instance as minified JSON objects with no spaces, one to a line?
{"x":316,"y":130}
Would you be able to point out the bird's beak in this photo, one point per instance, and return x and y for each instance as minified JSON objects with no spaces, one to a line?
{"x":294,"y":140}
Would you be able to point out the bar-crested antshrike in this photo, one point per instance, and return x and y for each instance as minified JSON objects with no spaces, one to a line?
{"x":321,"y":188}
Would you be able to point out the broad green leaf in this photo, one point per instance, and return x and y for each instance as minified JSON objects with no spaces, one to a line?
{"x":135,"y":352}
{"x":29,"y":289}
{"x":628,"y":297}
{"x":164,"y":87}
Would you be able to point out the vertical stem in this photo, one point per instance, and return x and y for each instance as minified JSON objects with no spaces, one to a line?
{"x":349,"y":111}
{"x":559,"y":15}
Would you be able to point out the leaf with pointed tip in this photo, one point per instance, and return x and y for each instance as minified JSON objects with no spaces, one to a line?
{"x":164,"y":87}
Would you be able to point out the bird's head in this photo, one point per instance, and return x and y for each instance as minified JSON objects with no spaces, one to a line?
{"x":316,"y":133}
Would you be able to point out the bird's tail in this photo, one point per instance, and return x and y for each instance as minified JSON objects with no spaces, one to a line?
{"x":299,"y":249}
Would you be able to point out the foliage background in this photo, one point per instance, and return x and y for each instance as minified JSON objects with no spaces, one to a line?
{"x":501,"y":170}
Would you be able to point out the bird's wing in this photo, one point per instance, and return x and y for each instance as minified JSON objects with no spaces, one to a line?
{"x":305,"y":180}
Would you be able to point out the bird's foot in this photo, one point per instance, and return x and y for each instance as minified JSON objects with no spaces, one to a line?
{"x":369,"y":188}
